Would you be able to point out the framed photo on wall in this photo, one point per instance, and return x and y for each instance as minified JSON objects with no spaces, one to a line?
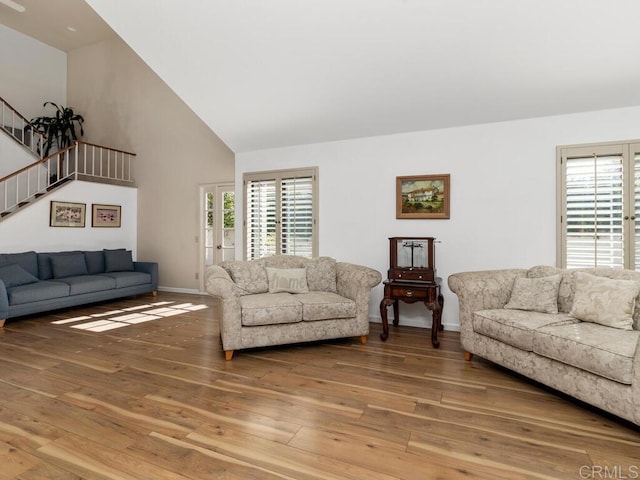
{"x":67,"y":214}
{"x":423,"y":196}
{"x":106,"y":215}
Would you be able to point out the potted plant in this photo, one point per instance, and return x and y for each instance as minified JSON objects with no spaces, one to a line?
{"x":59,"y":128}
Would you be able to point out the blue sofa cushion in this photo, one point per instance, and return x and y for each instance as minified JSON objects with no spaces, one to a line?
{"x":44,"y":263}
{"x":118,"y":261}
{"x":89,"y":283}
{"x":69,"y":265}
{"x":14,"y":275}
{"x":27,"y":260}
{"x":129,"y":279}
{"x":95,"y":262}
{"x":35,"y":292}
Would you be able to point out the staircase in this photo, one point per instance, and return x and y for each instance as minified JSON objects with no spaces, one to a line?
{"x":81,"y":161}
{"x":13,"y":123}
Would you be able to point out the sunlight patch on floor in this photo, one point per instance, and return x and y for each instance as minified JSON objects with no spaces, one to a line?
{"x":124,"y":317}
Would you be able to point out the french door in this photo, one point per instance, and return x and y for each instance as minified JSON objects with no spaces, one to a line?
{"x":218,"y":225}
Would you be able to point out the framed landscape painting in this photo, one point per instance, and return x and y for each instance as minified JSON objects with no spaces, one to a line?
{"x":423,"y":196}
{"x":106,"y":215}
{"x":67,"y":214}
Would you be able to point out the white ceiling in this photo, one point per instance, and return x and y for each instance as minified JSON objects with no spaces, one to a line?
{"x":270,"y":73}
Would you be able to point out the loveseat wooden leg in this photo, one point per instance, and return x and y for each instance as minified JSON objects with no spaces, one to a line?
{"x":363,"y":339}
{"x":228,"y":355}
{"x":154,"y":293}
{"x":468,"y":356}
{"x":2,"y":322}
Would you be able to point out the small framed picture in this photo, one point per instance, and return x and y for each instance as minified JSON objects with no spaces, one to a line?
{"x":423,"y":196}
{"x":105,"y":215}
{"x":67,"y":214}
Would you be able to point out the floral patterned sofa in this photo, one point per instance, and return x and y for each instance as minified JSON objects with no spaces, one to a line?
{"x":289,"y":299}
{"x":577,"y":331}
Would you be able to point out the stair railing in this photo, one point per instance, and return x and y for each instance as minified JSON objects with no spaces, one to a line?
{"x":14,"y":124}
{"x":84,"y":161}
{"x":103,"y":163}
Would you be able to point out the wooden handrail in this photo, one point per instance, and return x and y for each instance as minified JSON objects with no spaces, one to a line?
{"x":92,"y":164}
{"x":18,"y":172}
{"x":17,"y":113}
{"x":80,"y":142}
{"x":61,"y":152}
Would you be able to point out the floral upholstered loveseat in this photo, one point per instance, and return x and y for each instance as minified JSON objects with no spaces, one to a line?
{"x":577,"y":331}
{"x":289,"y":299}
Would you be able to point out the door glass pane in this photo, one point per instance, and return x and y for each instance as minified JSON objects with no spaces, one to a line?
{"x":209,"y":253}
{"x":594,"y":212}
{"x":228,"y":245}
{"x":228,"y":201}
{"x":228,"y":224}
{"x":228,"y":237}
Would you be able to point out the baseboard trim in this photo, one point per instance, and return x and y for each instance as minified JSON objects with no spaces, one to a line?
{"x":454,"y":327}
{"x":190,"y":291}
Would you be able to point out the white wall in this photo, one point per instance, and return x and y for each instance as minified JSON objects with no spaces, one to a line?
{"x":12,"y":156}
{"x":31,"y":74}
{"x":502,"y":193}
{"x":127,"y":106}
{"x":30,"y":230}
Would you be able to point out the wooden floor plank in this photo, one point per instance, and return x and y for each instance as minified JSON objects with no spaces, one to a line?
{"x":368,"y":453}
{"x":193,"y":461}
{"x":92,"y":460}
{"x":157,"y":400}
{"x":14,"y":461}
{"x":48,"y":471}
{"x":286,"y":461}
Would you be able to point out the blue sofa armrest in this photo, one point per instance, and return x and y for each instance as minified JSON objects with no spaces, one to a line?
{"x":148,"y":267}
{"x":4,"y":302}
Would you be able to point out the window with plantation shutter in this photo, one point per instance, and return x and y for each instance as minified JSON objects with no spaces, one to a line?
{"x":280,"y":213}
{"x":598,"y":199}
{"x":260,"y":221}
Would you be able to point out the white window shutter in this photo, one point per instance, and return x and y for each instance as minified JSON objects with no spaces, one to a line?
{"x":594,"y":223}
{"x":280,"y":213}
{"x":297,"y":216}
{"x":260,"y":218}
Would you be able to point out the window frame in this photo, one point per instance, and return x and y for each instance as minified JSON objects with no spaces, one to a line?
{"x":629,"y":152}
{"x":279,"y":177}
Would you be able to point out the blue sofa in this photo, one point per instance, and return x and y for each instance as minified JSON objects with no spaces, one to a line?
{"x":32,"y":282}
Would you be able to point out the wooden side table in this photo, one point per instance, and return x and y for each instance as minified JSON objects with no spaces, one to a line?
{"x":411,"y":292}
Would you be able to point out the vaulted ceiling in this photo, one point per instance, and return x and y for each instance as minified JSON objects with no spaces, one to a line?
{"x":270,"y":73}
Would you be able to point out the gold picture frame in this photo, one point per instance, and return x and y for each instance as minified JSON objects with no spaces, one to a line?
{"x":423,"y":196}
{"x":67,"y":214}
{"x":109,"y":216}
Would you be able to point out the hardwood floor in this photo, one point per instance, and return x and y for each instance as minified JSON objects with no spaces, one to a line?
{"x":156,"y":400}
